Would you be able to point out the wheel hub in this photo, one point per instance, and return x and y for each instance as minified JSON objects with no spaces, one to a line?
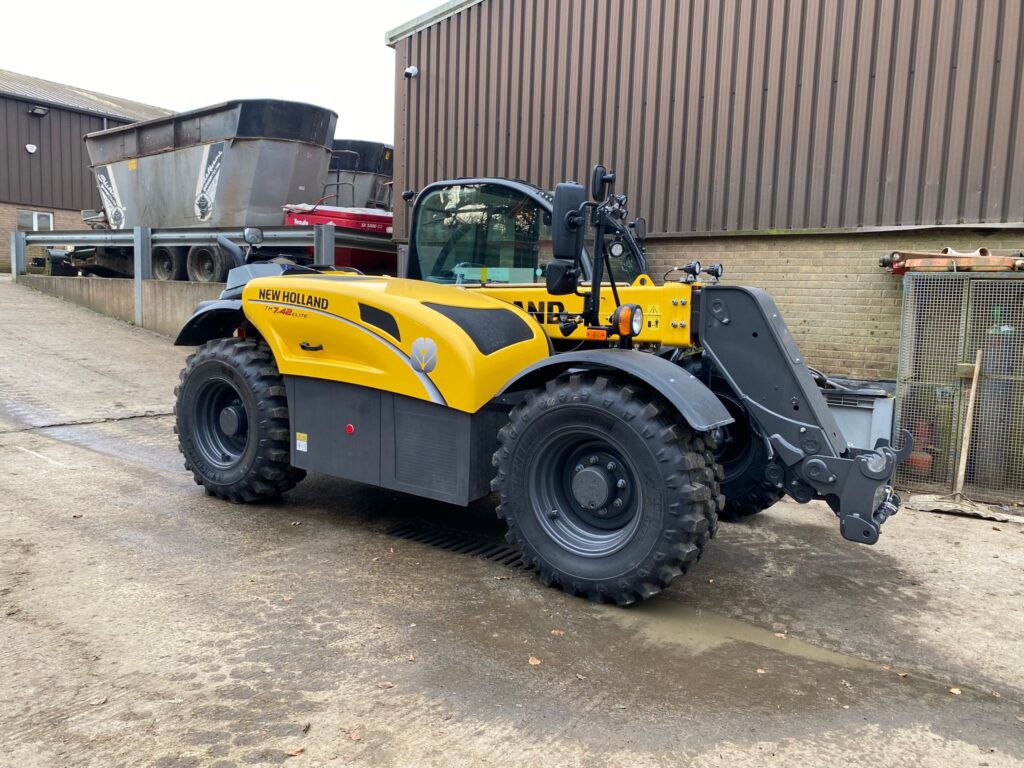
{"x":232,"y":420}
{"x":592,"y":487}
{"x":584,"y":492}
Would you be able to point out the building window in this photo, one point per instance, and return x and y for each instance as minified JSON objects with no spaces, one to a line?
{"x":35,"y":221}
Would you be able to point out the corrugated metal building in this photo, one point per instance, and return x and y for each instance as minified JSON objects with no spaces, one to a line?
{"x":796,"y":141}
{"x":45,"y":179}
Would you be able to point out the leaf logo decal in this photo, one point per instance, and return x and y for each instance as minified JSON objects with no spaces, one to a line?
{"x":424,"y":355}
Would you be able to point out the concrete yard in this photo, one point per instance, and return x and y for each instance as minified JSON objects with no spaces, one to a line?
{"x":143,"y":623}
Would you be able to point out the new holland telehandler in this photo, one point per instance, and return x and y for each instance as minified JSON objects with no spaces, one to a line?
{"x":528,"y":354}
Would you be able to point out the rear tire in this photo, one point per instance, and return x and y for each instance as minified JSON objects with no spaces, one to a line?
{"x":169,"y":263}
{"x":633,"y":491}
{"x":232,"y":421}
{"x":207,"y":264}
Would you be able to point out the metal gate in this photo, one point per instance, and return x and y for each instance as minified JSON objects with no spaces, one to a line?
{"x":947,"y":319}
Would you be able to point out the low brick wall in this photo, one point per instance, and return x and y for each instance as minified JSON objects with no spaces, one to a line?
{"x":844,"y":310}
{"x":165,"y":305}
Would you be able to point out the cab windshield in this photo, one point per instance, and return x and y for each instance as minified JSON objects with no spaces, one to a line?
{"x":473,"y":233}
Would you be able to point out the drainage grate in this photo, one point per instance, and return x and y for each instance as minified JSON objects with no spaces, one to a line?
{"x":459,"y":542}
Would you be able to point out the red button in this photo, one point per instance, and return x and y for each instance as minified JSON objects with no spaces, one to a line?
{"x":349,"y":429}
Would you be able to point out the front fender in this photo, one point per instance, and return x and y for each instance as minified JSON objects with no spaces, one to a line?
{"x":214,"y":319}
{"x":697,"y":404}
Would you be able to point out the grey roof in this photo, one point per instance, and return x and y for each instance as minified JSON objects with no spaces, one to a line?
{"x":428,"y":19}
{"x":59,"y":95}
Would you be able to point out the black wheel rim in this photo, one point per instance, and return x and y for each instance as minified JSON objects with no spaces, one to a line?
{"x":204,"y":266}
{"x":736,"y":448}
{"x":163,"y":266}
{"x":585,"y":492}
{"x":222,"y":425}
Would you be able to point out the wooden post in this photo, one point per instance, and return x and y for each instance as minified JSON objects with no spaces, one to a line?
{"x":965,"y":445}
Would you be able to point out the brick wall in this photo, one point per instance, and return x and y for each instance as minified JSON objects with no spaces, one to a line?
{"x":843,"y":309}
{"x":9,"y":223}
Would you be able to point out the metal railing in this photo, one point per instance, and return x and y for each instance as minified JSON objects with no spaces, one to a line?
{"x":324,"y":238}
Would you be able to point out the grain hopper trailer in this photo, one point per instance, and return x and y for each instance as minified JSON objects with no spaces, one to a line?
{"x":230,"y":165}
{"x":615,"y":419}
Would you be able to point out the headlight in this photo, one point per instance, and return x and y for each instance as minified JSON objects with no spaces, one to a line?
{"x":637,"y":321}
{"x":616,"y":249}
{"x":628,"y":320}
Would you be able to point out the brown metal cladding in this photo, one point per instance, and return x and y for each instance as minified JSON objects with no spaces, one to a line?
{"x":57,"y":175}
{"x":729,"y":115}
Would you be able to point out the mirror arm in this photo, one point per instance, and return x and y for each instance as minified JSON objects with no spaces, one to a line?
{"x":607,"y":259}
{"x":592,"y":304}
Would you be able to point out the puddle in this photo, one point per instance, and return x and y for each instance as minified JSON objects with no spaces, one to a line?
{"x":697,"y":630}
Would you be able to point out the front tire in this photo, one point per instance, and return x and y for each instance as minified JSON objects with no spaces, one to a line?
{"x":606,"y":493}
{"x":232,"y":421}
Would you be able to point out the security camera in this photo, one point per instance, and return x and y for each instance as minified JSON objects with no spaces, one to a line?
{"x":411,"y":72}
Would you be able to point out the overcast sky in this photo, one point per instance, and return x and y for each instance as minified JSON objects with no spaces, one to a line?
{"x":183,"y":54}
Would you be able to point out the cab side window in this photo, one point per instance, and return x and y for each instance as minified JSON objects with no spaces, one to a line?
{"x":475,"y":232}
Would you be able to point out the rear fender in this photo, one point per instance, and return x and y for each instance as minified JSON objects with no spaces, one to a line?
{"x":215,"y":319}
{"x":697,"y":404}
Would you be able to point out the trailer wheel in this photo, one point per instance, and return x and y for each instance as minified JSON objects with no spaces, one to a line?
{"x":232,"y":421}
{"x":744,"y":458}
{"x":169,"y":263}
{"x":605,"y":491}
{"x":207,"y":264}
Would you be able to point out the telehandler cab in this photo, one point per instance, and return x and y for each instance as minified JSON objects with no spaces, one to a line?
{"x":526,"y":353}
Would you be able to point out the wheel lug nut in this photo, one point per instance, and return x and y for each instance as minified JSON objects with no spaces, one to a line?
{"x":594,"y":459}
{"x":610,"y":466}
{"x":617,"y":503}
{"x":620,"y":484}
{"x":579,"y":468}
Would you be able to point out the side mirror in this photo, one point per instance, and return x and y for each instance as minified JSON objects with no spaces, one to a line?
{"x":639,"y":228}
{"x":600,"y":179}
{"x":567,"y":222}
{"x":252,"y":235}
{"x":561,"y":275}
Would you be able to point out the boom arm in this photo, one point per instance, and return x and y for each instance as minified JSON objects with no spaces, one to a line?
{"x":743,"y":334}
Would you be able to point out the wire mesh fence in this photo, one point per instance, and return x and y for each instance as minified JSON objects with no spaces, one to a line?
{"x":947,"y":319}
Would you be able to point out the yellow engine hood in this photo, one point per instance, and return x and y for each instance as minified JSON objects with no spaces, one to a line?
{"x":433,"y":342}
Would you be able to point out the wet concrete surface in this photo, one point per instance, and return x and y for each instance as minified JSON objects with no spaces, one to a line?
{"x":142,"y":623}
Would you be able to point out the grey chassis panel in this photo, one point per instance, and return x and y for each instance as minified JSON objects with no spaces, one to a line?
{"x":392,"y":441}
{"x":697,"y":404}
{"x":212,"y":320}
